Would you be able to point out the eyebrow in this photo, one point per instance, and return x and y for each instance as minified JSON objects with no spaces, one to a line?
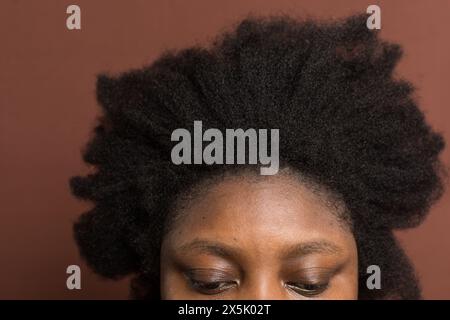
{"x":311,"y":247}
{"x":293,"y":251}
{"x":211,"y":247}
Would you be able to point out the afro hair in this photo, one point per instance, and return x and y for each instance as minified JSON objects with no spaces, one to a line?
{"x":344,"y":120}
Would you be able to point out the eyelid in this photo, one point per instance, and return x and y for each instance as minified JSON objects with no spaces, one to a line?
{"x":305,"y":273}
{"x":209,"y":274}
{"x":317,"y":271}
{"x":223,"y":279}
{"x":314,"y":276}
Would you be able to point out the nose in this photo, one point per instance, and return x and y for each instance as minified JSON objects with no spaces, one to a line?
{"x":262,"y":288}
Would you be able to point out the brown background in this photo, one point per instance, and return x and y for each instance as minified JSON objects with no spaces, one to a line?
{"x":47,"y":100}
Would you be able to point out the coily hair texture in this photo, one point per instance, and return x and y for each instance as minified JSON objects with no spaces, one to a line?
{"x":344,"y":120}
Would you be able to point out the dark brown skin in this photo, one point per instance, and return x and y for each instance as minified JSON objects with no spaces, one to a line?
{"x":261,"y":238}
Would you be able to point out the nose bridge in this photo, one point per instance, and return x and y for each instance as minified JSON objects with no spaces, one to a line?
{"x":262,"y":285}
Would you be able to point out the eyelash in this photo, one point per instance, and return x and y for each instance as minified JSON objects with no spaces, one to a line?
{"x":307,"y":289}
{"x":218,"y":281}
{"x":204,"y":287}
{"x":217,"y":287}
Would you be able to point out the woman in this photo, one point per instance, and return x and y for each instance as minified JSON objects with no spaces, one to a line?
{"x":357,"y":160}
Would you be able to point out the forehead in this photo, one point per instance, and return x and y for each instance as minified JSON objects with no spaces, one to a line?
{"x":249,"y":212}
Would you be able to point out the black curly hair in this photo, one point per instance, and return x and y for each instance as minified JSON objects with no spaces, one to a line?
{"x":344,"y":120}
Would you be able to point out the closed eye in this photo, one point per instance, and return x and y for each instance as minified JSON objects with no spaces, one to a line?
{"x":210,"y":281}
{"x":211,"y":288}
{"x":307,"y":289}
